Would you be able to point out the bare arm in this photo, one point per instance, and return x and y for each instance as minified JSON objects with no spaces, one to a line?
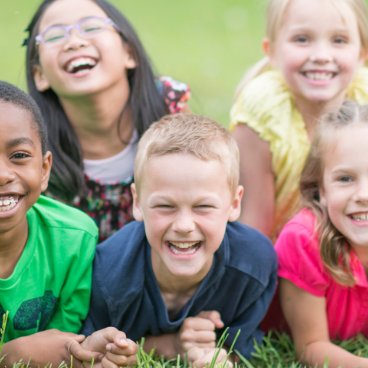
{"x":257,"y":178}
{"x":306,"y":316}
{"x":47,"y":347}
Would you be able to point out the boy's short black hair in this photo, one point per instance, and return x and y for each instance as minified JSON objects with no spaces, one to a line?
{"x":14,"y":95}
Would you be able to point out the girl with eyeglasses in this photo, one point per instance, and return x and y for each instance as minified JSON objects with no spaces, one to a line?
{"x":315,"y":53}
{"x":92,"y":79}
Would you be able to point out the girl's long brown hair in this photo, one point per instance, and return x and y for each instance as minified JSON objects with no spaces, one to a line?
{"x":334,"y":249}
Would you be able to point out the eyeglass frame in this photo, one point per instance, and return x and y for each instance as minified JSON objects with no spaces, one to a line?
{"x":107,"y":21}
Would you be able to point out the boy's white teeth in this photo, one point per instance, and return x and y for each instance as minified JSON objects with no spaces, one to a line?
{"x":184,"y":245}
{"x":8,"y":202}
{"x":184,"y":248}
{"x":360,"y":217}
{"x":79,"y":62}
{"x":319,"y":76}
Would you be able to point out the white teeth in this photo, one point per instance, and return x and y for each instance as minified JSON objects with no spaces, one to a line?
{"x":319,"y":76}
{"x":80,"y":61}
{"x":7,"y":203}
{"x":184,"y":245}
{"x":361,"y":217}
{"x":176,"y":251}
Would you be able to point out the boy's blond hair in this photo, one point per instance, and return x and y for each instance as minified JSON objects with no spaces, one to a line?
{"x":189,"y":134}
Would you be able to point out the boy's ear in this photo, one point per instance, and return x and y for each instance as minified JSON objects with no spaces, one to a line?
{"x":129,"y":62}
{"x":269,"y":51}
{"x":137,"y":211}
{"x":236,"y":205}
{"x":41,"y":82}
{"x":46,"y":169}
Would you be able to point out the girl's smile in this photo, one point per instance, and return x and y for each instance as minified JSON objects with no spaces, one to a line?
{"x":345,"y":184}
{"x":81,"y":65}
{"x":318,"y":50}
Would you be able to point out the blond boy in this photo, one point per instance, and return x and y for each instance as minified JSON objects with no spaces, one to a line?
{"x":185,"y":270}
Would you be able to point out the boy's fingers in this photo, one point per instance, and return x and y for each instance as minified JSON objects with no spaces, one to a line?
{"x":199,"y":324}
{"x":213,"y":316}
{"x":112,"y":334}
{"x":120,"y":360}
{"x":204,"y":336}
{"x":131,"y":349}
{"x":82,"y":354}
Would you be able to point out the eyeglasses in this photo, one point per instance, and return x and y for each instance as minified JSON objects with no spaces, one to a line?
{"x":87,"y":27}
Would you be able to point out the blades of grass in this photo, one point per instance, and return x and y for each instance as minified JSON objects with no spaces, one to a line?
{"x":326,"y":362}
{"x":244,"y":360}
{"x":2,"y":330}
{"x":186,"y":360}
{"x":178,"y":361}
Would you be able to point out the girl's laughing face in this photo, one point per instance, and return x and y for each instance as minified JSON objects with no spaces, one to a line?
{"x":81,"y":65}
{"x":345,"y":184}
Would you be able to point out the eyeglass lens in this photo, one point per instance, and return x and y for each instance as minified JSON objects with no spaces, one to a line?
{"x":87,"y":27}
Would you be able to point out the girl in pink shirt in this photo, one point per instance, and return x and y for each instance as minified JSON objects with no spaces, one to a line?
{"x":323,"y":250}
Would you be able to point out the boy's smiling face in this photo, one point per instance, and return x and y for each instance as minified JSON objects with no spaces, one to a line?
{"x":24,"y":172}
{"x":185,"y":204}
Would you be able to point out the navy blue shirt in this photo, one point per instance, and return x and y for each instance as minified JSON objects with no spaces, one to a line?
{"x":239,"y":285}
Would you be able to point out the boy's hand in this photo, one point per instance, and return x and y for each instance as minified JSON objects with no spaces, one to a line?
{"x":47,"y":347}
{"x":198,"y":331}
{"x":200,"y":357}
{"x":114,"y":348}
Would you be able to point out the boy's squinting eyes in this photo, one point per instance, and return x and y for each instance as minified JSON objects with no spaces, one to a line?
{"x":24,"y":171}
{"x":185,"y":203}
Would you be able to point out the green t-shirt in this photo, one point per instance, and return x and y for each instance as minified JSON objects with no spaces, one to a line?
{"x":50,"y":286}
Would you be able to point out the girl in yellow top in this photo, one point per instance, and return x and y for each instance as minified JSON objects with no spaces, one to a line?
{"x":316,"y":50}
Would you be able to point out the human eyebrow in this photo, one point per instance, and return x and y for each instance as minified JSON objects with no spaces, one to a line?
{"x":21,"y":140}
{"x":79,"y":20}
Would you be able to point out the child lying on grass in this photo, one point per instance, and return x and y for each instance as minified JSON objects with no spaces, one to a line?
{"x":46,"y":253}
{"x":323,"y":250}
{"x":186,"y":269}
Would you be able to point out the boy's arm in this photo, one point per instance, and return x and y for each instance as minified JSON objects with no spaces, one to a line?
{"x":306,"y":316}
{"x":74,"y":298}
{"x":253,"y":305}
{"x":46,"y":347}
{"x":196,"y":331}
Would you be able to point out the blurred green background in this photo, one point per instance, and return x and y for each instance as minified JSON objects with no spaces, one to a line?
{"x":207,"y":44}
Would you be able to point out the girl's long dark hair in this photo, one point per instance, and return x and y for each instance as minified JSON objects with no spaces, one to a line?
{"x":67,"y":178}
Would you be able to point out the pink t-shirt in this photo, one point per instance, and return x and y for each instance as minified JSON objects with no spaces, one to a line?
{"x":297,"y":248}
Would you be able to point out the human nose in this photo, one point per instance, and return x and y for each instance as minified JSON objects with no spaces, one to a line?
{"x":7,"y":175}
{"x":184,"y":222}
{"x":361,"y":194}
{"x":74,"y":40}
{"x":320,"y":54}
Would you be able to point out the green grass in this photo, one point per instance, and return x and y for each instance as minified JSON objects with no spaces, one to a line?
{"x":276,"y":351}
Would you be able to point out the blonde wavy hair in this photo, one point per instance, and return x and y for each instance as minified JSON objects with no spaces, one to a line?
{"x":275,"y":14}
{"x":189,"y":134}
{"x":334,"y":249}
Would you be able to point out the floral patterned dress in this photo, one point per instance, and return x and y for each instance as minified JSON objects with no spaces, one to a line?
{"x":110,"y":205}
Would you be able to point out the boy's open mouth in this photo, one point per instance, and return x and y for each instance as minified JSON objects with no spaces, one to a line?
{"x":8,"y":202}
{"x":80,"y":64}
{"x":184,"y":248}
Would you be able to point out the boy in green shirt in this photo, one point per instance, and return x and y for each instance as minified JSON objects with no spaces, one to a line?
{"x":46,"y":253}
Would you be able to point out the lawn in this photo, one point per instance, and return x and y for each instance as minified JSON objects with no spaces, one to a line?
{"x":206,"y":43}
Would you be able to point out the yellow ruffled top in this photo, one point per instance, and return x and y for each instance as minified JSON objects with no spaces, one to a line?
{"x":267,"y":106}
